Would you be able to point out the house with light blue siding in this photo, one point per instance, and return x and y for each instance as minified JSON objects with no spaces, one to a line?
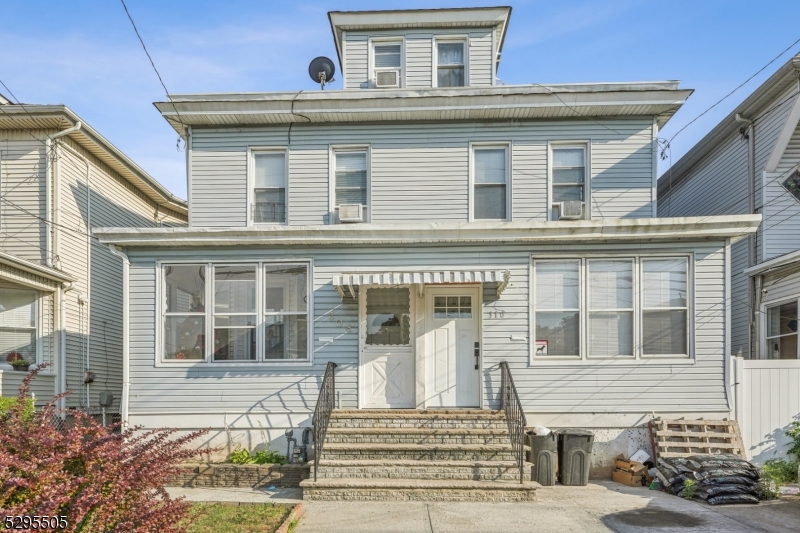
{"x":424,"y":228}
{"x":60,"y":289}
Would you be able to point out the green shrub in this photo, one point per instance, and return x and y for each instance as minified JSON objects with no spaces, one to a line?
{"x":6,"y":404}
{"x":689,"y":489}
{"x":780,"y":471}
{"x":240,"y":456}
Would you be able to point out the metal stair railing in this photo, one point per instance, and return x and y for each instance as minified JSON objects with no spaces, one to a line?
{"x":515,"y":417}
{"x":322,"y":412}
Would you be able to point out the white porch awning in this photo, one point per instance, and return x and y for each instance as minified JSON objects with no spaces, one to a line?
{"x":347,"y":284}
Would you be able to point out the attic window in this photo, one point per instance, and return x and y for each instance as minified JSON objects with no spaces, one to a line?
{"x":387,"y":63}
{"x":792,"y":184}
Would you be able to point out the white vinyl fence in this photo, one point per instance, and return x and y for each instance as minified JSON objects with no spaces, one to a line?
{"x":767,"y":400}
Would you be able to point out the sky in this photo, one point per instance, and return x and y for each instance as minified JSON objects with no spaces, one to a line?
{"x":85,"y":54}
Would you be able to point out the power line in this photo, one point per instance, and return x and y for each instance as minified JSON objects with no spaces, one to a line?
{"x":733,"y":91}
{"x":573,"y":109}
{"x":135,"y":29}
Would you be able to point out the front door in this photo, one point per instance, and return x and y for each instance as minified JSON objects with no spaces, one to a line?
{"x":452,"y":346}
{"x":387,"y":351}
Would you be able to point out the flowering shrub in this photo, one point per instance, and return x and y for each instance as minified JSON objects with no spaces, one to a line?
{"x":102,"y":479}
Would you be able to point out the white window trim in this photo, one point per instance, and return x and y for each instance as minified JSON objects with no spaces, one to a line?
{"x":401,"y":40}
{"x":508,"y":147}
{"x":639,"y":359}
{"x":37,"y":329}
{"x":208,"y":361}
{"x":764,"y":341}
{"x":587,"y":179}
{"x":689,"y":308}
{"x":635,"y":334}
{"x":462,"y":38}
{"x":252,"y":151}
{"x":332,"y":150}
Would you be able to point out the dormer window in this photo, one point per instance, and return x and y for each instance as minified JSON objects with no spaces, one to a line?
{"x":450,"y":70}
{"x":269,"y":187}
{"x":387,"y":60}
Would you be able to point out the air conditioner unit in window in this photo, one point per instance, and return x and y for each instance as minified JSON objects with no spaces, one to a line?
{"x":351,"y":213}
{"x":387,"y":78}
{"x":570,"y":210}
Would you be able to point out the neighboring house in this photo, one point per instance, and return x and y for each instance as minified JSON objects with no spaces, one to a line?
{"x":750,"y":163}
{"x":60,"y":289}
{"x":420,"y":234}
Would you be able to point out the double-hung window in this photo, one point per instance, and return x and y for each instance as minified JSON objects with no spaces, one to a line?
{"x":490,"y":170}
{"x":450,"y":66}
{"x":387,"y":62}
{"x":257,"y":312}
{"x":782,"y":331}
{"x":18,"y":323}
{"x":351,"y":178}
{"x":568,"y":177}
{"x":269,"y":187}
{"x":611,"y":308}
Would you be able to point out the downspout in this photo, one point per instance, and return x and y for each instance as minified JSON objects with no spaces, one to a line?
{"x":62,"y":342}
{"x":126,"y":380}
{"x":750,"y":133}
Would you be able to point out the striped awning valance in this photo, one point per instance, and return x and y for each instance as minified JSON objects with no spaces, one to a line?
{"x":347,"y":284}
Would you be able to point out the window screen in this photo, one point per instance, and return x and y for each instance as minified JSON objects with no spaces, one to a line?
{"x":270,"y":188}
{"x":490,"y":183}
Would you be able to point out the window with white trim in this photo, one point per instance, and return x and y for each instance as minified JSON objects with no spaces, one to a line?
{"x":269,"y":188}
{"x":387,"y":64}
{"x":350,"y":180}
{"x":568,"y":178}
{"x":782,"y":331}
{"x":611,"y":308}
{"x":257,"y":312}
{"x":450,"y":66}
{"x":490,"y":170}
{"x":18,"y":327}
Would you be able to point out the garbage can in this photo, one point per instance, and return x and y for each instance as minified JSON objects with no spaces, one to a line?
{"x":574,"y":456}
{"x":543,"y":453}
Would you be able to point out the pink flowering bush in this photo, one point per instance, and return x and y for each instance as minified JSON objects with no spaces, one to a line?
{"x":102,"y":479}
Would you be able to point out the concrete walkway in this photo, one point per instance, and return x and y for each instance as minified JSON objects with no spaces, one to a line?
{"x":261,"y":495}
{"x":600,"y":507}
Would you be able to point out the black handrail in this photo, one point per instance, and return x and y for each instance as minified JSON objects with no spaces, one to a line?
{"x":515,"y":417}
{"x":322,"y":412}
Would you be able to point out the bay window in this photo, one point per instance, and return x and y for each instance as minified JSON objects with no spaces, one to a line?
{"x":257,"y":312}
{"x":611,"y":308}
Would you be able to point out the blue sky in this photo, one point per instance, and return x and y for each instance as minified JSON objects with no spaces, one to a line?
{"x":84,"y":54}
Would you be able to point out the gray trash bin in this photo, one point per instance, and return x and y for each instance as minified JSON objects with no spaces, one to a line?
{"x":574,"y":456}
{"x":543,"y":455}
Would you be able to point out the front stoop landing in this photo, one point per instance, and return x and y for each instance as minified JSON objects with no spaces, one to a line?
{"x":418,"y":455}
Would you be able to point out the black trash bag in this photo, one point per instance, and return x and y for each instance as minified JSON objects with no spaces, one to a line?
{"x":724,"y":472}
{"x":668,"y":478}
{"x":725,"y":489}
{"x":728,"y":480}
{"x":724,"y":499}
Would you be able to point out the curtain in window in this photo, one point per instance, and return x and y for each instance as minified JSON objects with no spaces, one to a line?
{"x":557,"y":306}
{"x":450,"y":71}
{"x":351,"y":178}
{"x":490,"y":183}
{"x":270,"y":188}
{"x":610,"y":308}
{"x":388,"y":316}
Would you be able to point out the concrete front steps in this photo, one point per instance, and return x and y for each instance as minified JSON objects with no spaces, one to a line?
{"x":415,"y":455}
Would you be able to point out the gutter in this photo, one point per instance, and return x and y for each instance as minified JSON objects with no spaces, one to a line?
{"x":126,"y":373}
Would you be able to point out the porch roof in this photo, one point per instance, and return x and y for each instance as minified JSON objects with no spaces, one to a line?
{"x":22,"y":272}
{"x":346,"y":284}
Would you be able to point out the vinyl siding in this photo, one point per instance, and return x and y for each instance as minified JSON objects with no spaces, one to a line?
{"x":355,"y":58}
{"x":782,"y":209}
{"x":420,"y":172}
{"x":175,"y":393}
{"x":480,"y":58}
{"x":22,"y":187}
{"x":740,"y":302}
{"x":781,"y":285}
{"x":419,"y":67}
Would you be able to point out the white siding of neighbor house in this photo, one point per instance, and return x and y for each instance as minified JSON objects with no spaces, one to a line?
{"x":418,"y":57}
{"x":781,"y":285}
{"x":182,"y":396}
{"x":420,"y":172}
{"x":22,"y":187}
{"x":781,"y":208}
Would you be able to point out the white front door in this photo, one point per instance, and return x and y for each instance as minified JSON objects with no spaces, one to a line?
{"x":452,"y":346}
{"x":387,"y":351}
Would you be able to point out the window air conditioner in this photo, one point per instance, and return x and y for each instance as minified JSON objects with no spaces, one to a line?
{"x":387,"y":79}
{"x":570,"y":210}
{"x":351,"y":213}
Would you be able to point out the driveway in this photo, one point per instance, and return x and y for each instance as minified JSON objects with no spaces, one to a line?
{"x":599,"y":507}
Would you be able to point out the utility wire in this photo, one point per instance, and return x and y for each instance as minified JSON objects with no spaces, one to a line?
{"x":733,"y":91}
{"x":152,"y":63}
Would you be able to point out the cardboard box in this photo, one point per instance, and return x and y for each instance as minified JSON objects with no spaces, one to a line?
{"x":627,"y":478}
{"x":630,"y":466}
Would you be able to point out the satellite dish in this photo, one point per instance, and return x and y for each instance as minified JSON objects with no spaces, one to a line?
{"x":321,"y":70}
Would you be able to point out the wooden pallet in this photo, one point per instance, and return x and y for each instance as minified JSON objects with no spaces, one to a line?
{"x":682,"y":438}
